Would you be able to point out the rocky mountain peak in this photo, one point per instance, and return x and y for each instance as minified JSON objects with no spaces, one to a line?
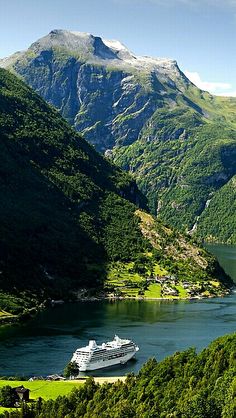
{"x":96,"y":49}
{"x":87,"y":43}
{"x":81,"y":43}
{"x":99,"y":85}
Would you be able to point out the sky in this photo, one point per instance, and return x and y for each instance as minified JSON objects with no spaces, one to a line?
{"x":199,"y":34}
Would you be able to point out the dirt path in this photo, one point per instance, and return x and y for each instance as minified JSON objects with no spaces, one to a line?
{"x":101,"y":380}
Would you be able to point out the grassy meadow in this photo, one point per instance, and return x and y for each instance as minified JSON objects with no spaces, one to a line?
{"x":50,"y":389}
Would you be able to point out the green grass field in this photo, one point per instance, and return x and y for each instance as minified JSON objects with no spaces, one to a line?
{"x":122,"y":272}
{"x":182,"y":292}
{"x":125,"y":282}
{"x":44,"y":389}
{"x":51,"y":390}
{"x":154,"y":291}
{"x":159,"y":270}
{"x":122,"y":277}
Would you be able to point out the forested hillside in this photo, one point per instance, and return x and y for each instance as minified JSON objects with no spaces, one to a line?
{"x":185,"y":385}
{"x":185,"y":170}
{"x":63,"y":207}
{"x":67,"y":213}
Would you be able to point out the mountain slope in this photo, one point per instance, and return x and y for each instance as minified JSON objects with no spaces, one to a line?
{"x":181,"y":176}
{"x":67,"y":213}
{"x":57,"y":199}
{"x":147,"y":116}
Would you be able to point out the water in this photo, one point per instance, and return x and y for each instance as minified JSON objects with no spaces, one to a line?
{"x":226,"y":255}
{"x":46,"y":344}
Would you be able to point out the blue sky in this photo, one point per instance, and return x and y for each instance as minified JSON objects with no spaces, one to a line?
{"x":199,"y":34}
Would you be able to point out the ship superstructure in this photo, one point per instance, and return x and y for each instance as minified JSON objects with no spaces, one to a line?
{"x":93,"y":356}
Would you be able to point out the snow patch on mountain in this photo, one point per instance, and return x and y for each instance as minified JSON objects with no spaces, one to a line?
{"x":113,"y":44}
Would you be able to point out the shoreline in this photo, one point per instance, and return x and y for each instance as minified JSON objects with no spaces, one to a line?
{"x":142,"y":299}
{"x":18,"y":319}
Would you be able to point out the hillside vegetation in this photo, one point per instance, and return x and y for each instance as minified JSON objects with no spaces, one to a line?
{"x":66,"y":212}
{"x":174,"y":267}
{"x":144,"y":113}
{"x":63,"y":207}
{"x":185,"y":385}
{"x":184,"y":164}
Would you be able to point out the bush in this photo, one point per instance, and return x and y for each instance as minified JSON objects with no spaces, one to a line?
{"x":8,"y":396}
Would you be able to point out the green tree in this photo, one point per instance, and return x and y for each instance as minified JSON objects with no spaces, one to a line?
{"x":8,"y":396}
{"x":72,"y":369}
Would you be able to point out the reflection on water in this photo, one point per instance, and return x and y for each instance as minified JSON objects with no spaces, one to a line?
{"x":46,"y":344}
{"x":226,"y":255}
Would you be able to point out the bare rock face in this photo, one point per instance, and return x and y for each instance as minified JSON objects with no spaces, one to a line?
{"x":98,"y":85}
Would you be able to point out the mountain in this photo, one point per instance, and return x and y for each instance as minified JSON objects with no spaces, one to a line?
{"x":58,"y":200}
{"x":99,"y":86}
{"x":67,"y":214}
{"x":146,"y":116}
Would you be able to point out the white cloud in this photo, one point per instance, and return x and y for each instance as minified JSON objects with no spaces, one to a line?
{"x":214,"y":87}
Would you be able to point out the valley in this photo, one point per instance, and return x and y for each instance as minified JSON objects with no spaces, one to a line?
{"x":68,"y":213}
{"x":117,"y":190}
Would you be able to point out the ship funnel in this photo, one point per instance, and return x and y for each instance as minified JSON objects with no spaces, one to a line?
{"x":117,"y":339}
{"x":92,"y":344}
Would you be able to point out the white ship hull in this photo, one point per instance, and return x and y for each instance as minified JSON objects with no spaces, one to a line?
{"x":112,"y":353}
{"x":106,"y":363}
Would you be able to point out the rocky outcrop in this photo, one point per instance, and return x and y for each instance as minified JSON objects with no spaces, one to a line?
{"x":99,"y":86}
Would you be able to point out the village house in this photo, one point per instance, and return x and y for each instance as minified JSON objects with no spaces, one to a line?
{"x":22,"y":393}
{"x":55,"y":377}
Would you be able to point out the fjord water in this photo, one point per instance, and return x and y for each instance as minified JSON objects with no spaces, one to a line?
{"x":45,"y":344}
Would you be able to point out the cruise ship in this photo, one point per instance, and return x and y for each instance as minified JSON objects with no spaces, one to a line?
{"x":111,"y":353}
